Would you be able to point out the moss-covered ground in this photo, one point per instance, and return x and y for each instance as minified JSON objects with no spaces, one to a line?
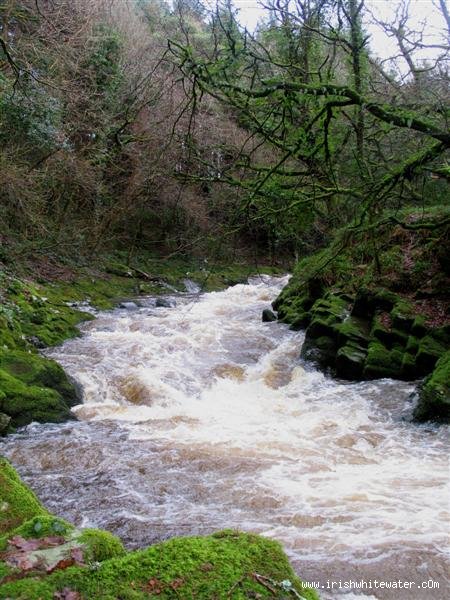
{"x":44,"y":558}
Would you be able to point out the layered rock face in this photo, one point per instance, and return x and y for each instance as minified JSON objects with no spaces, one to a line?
{"x":373,"y":334}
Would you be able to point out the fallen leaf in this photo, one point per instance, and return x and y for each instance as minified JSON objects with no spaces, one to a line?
{"x":154,"y":586}
{"x":64,"y":563}
{"x":177,"y":583}
{"x":19,"y":542}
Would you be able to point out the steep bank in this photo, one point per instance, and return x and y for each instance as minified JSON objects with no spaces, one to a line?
{"x":42,"y":304}
{"x":379,"y":308}
{"x":43,"y":557}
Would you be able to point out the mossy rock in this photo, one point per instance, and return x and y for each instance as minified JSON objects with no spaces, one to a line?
{"x":34,"y":369}
{"x":368,"y":301}
{"x":364,"y":305}
{"x":354,"y":330}
{"x":293,"y":309}
{"x":299,"y":321}
{"x":403,"y":317}
{"x":217,"y":566}
{"x":268,"y":316}
{"x":5,"y":420}
{"x":326,"y":314}
{"x":412,"y":345}
{"x":17,"y":502}
{"x":429,"y":352}
{"x":419,"y":327}
{"x":100,"y":545}
{"x":388,"y":337}
{"x":409,"y":367}
{"x":382,"y":362}
{"x":26,"y":403}
{"x":320,"y":351}
{"x":434,"y":394}
{"x":350,"y":360}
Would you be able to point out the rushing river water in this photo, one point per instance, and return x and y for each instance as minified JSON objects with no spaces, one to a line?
{"x":197,"y":416}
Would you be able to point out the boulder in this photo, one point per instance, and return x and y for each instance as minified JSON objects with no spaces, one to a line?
{"x":128,"y":305}
{"x":164,"y":303}
{"x":382,"y":362}
{"x":350,"y":361}
{"x":429,"y":351}
{"x":4,"y":423}
{"x":354,"y":330}
{"x":434,"y":394}
{"x":320,"y":351}
{"x":268,"y":316}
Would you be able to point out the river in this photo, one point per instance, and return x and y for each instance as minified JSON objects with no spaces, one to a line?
{"x":197,"y":417}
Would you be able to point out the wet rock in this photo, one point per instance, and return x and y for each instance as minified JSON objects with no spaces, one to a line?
{"x":350,"y":361}
{"x":128,"y":305}
{"x":409,"y":366}
{"x":369,"y":301}
{"x":434,"y":394}
{"x":36,"y":342}
{"x":268,"y":316}
{"x":321,"y":351}
{"x":382,"y":362}
{"x":4,"y":423}
{"x":164,"y":303}
{"x":429,"y":352}
{"x":354,"y":330}
{"x":326,"y":313}
{"x":419,"y":328}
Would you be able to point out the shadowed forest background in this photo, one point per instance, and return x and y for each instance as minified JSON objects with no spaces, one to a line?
{"x":169,"y":128}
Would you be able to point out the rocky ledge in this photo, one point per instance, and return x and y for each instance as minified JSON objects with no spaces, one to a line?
{"x":372,"y":334}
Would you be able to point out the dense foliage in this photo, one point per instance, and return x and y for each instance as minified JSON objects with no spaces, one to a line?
{"x":167,"y":126}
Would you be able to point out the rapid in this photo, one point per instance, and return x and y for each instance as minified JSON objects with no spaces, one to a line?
{"x":196,"y":417}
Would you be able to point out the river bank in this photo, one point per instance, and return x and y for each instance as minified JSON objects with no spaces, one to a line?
{"x":379,"y":308}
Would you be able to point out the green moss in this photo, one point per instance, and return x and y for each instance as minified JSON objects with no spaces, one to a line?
{"x":409,"y":367}
{"x":434,"y":394}
{"x":429,"y":352}
{"x":100,"y":545}
{"x":320,"y":350}
{"x":419,"y":327}
{"x":412,"y":345}
{"x":217,"y":566}
{"x":326,"y":314}
{"x":388,"y":336}
{"x":354,"y":329}
{"x":381,"y":362}
{"x":34,"y":369}
{"x":26,"y":403}
{"x":402,"y":316}
{"x":17,"y":503}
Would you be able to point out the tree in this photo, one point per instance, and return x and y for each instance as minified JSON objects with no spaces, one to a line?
{"x":295,"y":95}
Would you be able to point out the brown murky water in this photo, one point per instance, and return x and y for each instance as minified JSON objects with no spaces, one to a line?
{"x":198,"y":417}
